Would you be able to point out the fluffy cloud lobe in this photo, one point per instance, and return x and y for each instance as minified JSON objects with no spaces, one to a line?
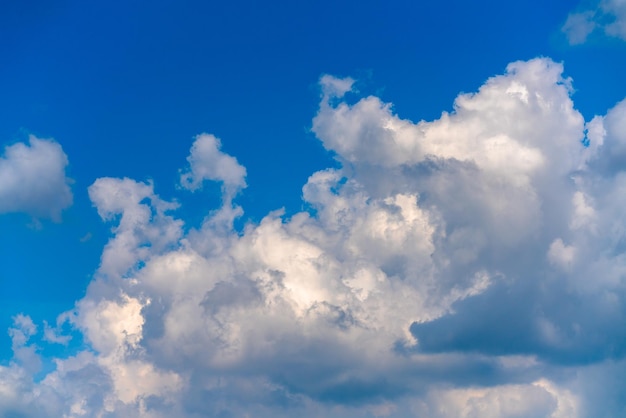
{"x":462,"y":267}
{"x":33,"y":180}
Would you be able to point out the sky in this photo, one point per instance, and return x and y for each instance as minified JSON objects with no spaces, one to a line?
{"x":313,"y":208}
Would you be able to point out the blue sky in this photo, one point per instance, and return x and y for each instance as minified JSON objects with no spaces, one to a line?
{"x":400,"y":224}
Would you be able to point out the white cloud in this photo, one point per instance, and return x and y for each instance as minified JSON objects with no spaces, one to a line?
{"x":207,"y":162}
{"x":579,"y":26}
{"x":462,"y":267}
{"x":55,"y":335}
{"x":480,"y":131}
{"x":609,"y":16}
{"x":335,"y":87}
{"x":33,"y":180}
{"x":561,"y":255}
{"x":143,"y":226}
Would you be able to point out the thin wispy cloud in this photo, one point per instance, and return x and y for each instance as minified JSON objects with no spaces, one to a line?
{"x":607,"y":17}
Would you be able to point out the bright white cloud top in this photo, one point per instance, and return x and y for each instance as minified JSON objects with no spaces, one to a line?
{"x":466,"y":266}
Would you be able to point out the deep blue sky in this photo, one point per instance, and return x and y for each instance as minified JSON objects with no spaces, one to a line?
{"x":125,"y":86}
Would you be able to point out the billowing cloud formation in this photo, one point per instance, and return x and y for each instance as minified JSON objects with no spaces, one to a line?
{"x":607,"y":16}
{"x":32,"y":179}
{"x":468,"y":266}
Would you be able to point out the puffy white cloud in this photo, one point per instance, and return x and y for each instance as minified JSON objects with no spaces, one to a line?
{"x":469,"y":266}
{"x":207,"y":162}
{"x":609,"y":16}
{"x":33,"y":180}
{"x":143,"y":226}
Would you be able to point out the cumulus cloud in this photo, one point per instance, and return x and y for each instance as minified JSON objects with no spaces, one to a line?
{"x":33,"y":179}
{"x":607,"y":16}
{"x":462,"y":267}
{"x":207,"y":162}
